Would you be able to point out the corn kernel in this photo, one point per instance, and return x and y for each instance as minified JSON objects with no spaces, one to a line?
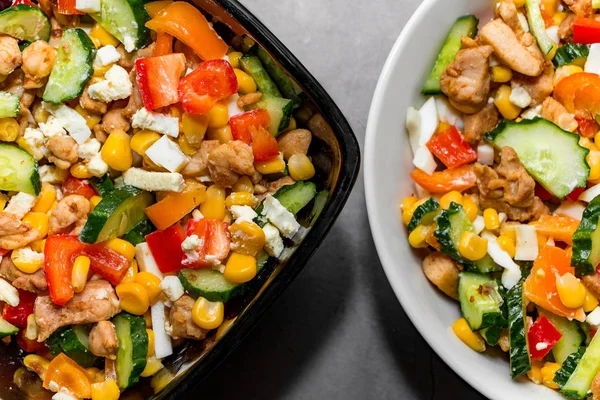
{"x":408,"y":208}
{"x":418,"y":237}
{"x":107,"y":390}
{"x":491,"y":219}
{"x":150,"y":334}
{"x":100,"y":71}
{"x":25,"y":261}
{"x":95,"y":200}
{"x":222,"y":134}
{"x":559,"y":17}
{"x":301,"y":167}
{"x":133,"y":298}
{"x":593,"y":159}
{"x":38,"y":245}
{"x":245,"y":82}
{"x":580,"y":62}
{"x":194,"y":128}
{"x":571,"y":291}
{"x":587,"y":143}
{"x":40,"y":115}
{"x":153,"y":365}
{"x":38,"y":221}
{"x":91,"y":373}
{"x":37,"y":364}
{"x":123,"y":247}
{"x":564,"y":71}
{"x":240,"y":268}
{"x":9,"y":129}
{"x":218,"y":116}
{"x":102,"y":35}
{"x":142,"y":140}
{"x":467,"y":336}
{"x":244,"y":184}
{"x":449,"y":198}
{"x":274,"y":166}
{"x":91,"y":120}
{"x":79,"y":274}
{"x":508,"y":229}
{"x":4,"y":199}
{"x":519,"y":3}
{"x":148,"y":318}
{"x":548,"y":371}
{"x":503,"y":104}
{"x":185,"y":146}
{"x":150,"y":282}
{"x":472,"y":247}
{"x":292,"y":125}
{"x":507,"y":244}
{"x":501,"y":74}
{"x":241,"y":199}
{"x":214,"y":206}
{"x":535,"y":373}
{"x":80,"y":171}
{"x":247,"y":237}
{"x":45,"y":198}
{"x":590,"y":303}
{"x":116,"y":151}
{"x":234,"y":58}
{"x":208,"y":314}
{"x":470,"y":208}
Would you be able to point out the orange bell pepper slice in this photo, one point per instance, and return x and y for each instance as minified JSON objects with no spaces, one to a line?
{"x":460,"y":179}
{"x":67,"y":7}
{"x":175,"y":206}
{"x":68,"y":375}
{"x":540,"y":286}
{"x":164,"y":44}
{"x":580,"y":94}
{"x":185,"y":22}
{"x":154,"y":7}
{"x":558,"y":228}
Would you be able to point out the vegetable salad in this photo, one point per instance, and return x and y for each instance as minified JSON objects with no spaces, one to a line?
{"x":151,"y":172}
{"x":507,"y":187}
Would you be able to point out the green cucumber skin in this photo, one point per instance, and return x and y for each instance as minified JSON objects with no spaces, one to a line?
{"x":253,"y":67}
{"x":66,"y":340}
{"x":140,"y":17}
{"x":538,"y":26}
{"x":520,"y":360}
{"x":228,"y":290}
{"x":138,"y":233}
{"x":296,"y":196}
{"x":479,"y":310}
{"x":572,"y":336}
{"x":11,"y":14}
{"x":7,"y":329}
{"x":288,"y":86}
{"x":68,"y":79}
{"x":561,"y":377}
{"x":10,"y":105}
{"x":29,"y":179}
{"x":464,"y":26}
{"x":279,"y":109}
{"x":569,"y":52}
{"x":491,"y":335}
{"x":133,"y":348}
{"x":426,"y":211}
{"x":103,"y":186}
{"x":509,"y":133}
{"x":584,"y":260}
{"x":318,"y":206}
{"x":581,"y":379}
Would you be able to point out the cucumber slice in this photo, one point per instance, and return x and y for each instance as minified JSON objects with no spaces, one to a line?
{"x":520,"y":360}
{"x":295,"y":197}
{"x":9,"y":105}
{"x":318,"y":206}
{"x":464,"y":26}
{"x":452,"y":223}
{"x":133,"y":348}
{"x":102,"y":186}
{"x":572,"y":336}
{"x":580,"y":380}
{"x":285,"y":83}
{"x":18,"y":170}
{"x":280,"y":111}
{"x":209,"y":284}
{"x":7,"y":329}
{"x":561,"y":377}
{"x":570,"y":52}
{"x":538,"y":26}
{"x":424,"y":214}
{"x":480,"y":300}
{"x":492,"y":334}
{"x":586,"y":240}
{"x":253,"y":67}
{"x":138,"y":233}
{"x":73,"y":341}
{"x":116,"y":214}
{"x":125,"y":20}
{"x":25,"y":22}
{"x":73,"y":67}
{"x":551,"y":155}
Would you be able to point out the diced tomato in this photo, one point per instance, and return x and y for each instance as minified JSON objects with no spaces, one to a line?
{"x":542,"y":193}
{"x":165,"y":247}
{"x":241,"y":124}
{"x":73,"y":185}
{"x":28,"y":345}
{"x":264,"y":145}
{"x":212,"y":81}
{"x":106,"y":262}
{"x":574,"y":195}
{"x":67,"y":7}
{"x":450,"y":147}
{"x":27,"y":2}
{"x":60,"y":252}
{"x":163,"y":44}
{"x":542,"y":336}
{"x":587,"y":127}
{"x":18,"y":315}
{"x":214,"y":241}
{"x":580,"y":94}
{"x":158,"y":79}
{"x":460,"y":179}
{"x":586,"y":31}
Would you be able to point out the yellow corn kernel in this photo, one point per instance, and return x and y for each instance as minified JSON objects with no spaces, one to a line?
{"x":218,"y":116}
{"x":148,"y":318}
{"x":491,"y":219}
{"x":150,"y":334}
{"x":503,"y":104}
{"x":37,"y":364}
{"x":9,"y":129}
{"x":240,"y":268}
{"x":508,"y":229}
{"x":548,"y":371}
{"x":245,"y":82}
{"x":80,"y":171}
{"x":116,"y":151}
{"x":194,"y":128}
{"x":107,"y":390}
{"x":472,"y":247}
{"x":123,"y":247}
{"x":247,"y":237}
{"x":418,"y":237}
{"x":150,"y":282}
{"x":38,"y":245}
{"x":244,"y":184}
{"x":222,"y":134}
{"x":40,"y":115}
{"x":100,"y":71}
{"x":593,"y":159}
{"x":565,"y":70}
{"x":224,"y":328}
{"x":133,"y":298}
{"x":153,"y":365}
{"x":91,"y":373}
{"x":519,"y":3}
{"x":142,"y":140}
{"x":79,"y":274}
{"x":45,"y":198}
{"x":292,"y":125}
{"x":571,"y":291}
{"x":587,"y":143}
{"x":580,"y":62}
{"x":208,"y":314}
{"x":234,"y":58}
{"x":214,"y":206}
{"x":470,"y":208}
{"x":241,"y":199}
{"x":185,"y":146}
{"x":590,"y":303}
{"x":535,"y":373}
{"x":408,"y":208}
{"x":301,"y":167}
{"x":96,"y":42}
{"x":91,"y":120}
{"x":501,"y":74}
{"x":102,"y":35}
{"x":507,"y":244}
{"x":274,"y":166}
{"x":38,"y":221}
{"x":449,"y":198}
{"x":26,"y":260}
{"x":95,"y":200}
{"x":442,"y":127}
{"x":3,"y":200}
{"x":467,"y":336}
{"x":559,"y":17}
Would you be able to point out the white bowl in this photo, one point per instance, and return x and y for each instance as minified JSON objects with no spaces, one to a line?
{"x":387,"y":182}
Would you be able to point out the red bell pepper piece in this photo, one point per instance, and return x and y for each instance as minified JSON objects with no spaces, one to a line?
{"x":106,"y":262}
{"x":60,"y":252}
{"x":214,"y":242}
{"x":163,"y":44}
{"x":3,"y":252}
{"x":450,"y":147}
{"x":165,"y":247}
{"x":18,"y":315}
{"x":212,"y":81}
{"x":27,"y":2}
{"x":67,"y":7}
{"x":241,"y":124}
{"x":73,"y":185}
{"x":574,"y":195}
{"x":587,"y":127}
{"x":264,"y":145}
{"x":28,"y":345}
{"x":459,"y":179}
{"x":586,"y":31}
{"x":542,"y":193}
{"x":158,"y":78}
{"x":542,"y":336}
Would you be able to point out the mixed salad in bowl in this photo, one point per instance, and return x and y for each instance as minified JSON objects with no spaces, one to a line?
{"x":151,"y":171}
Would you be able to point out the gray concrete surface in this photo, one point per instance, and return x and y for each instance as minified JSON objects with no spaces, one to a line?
{"x":338,"y":332}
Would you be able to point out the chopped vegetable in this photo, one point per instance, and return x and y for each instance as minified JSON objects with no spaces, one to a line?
{"x":460,"y":179}
{"x":158,"y":79}
{"x":450,"y":147}
{"x":586,"y":31}
{"x":542,"y":336}
{"x":165,"y":246}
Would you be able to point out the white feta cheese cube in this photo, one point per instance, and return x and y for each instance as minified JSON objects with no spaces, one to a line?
{"x":96,"y":166}
{"x":527,"y":243}
{"x":8,"y":293}
{"x":243,"y":213}
{"x":88,"y":6}
{"x":20,"y":204}
{"x":154,"y":181}
{"x":167,"y":154}
{"x":593,"y":318}
{"x":280,"y":217}
{"x":190,"y":243}
{"x":592,"y":64}
{"x":52,"y":174}
{"x":115,"y":86}
{"x":273,"y":241}
{"x":36,"y":142}
{"x":145,"y":259}
{"x":89,"y":149}
{"x":63,"y":396}
{"x":172,"y":288}
{"x":106,"y":55}
{"x":71,"y":120}
{"x":52,"y":127}
{"x":519,"y":96}
{"x":129,"y":43}
{"x":532,"y":112}
{"x":156,"y":122}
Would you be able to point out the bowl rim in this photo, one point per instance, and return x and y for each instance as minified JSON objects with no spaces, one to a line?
{"x":379,"y":239}
{"x":348,"y":173}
